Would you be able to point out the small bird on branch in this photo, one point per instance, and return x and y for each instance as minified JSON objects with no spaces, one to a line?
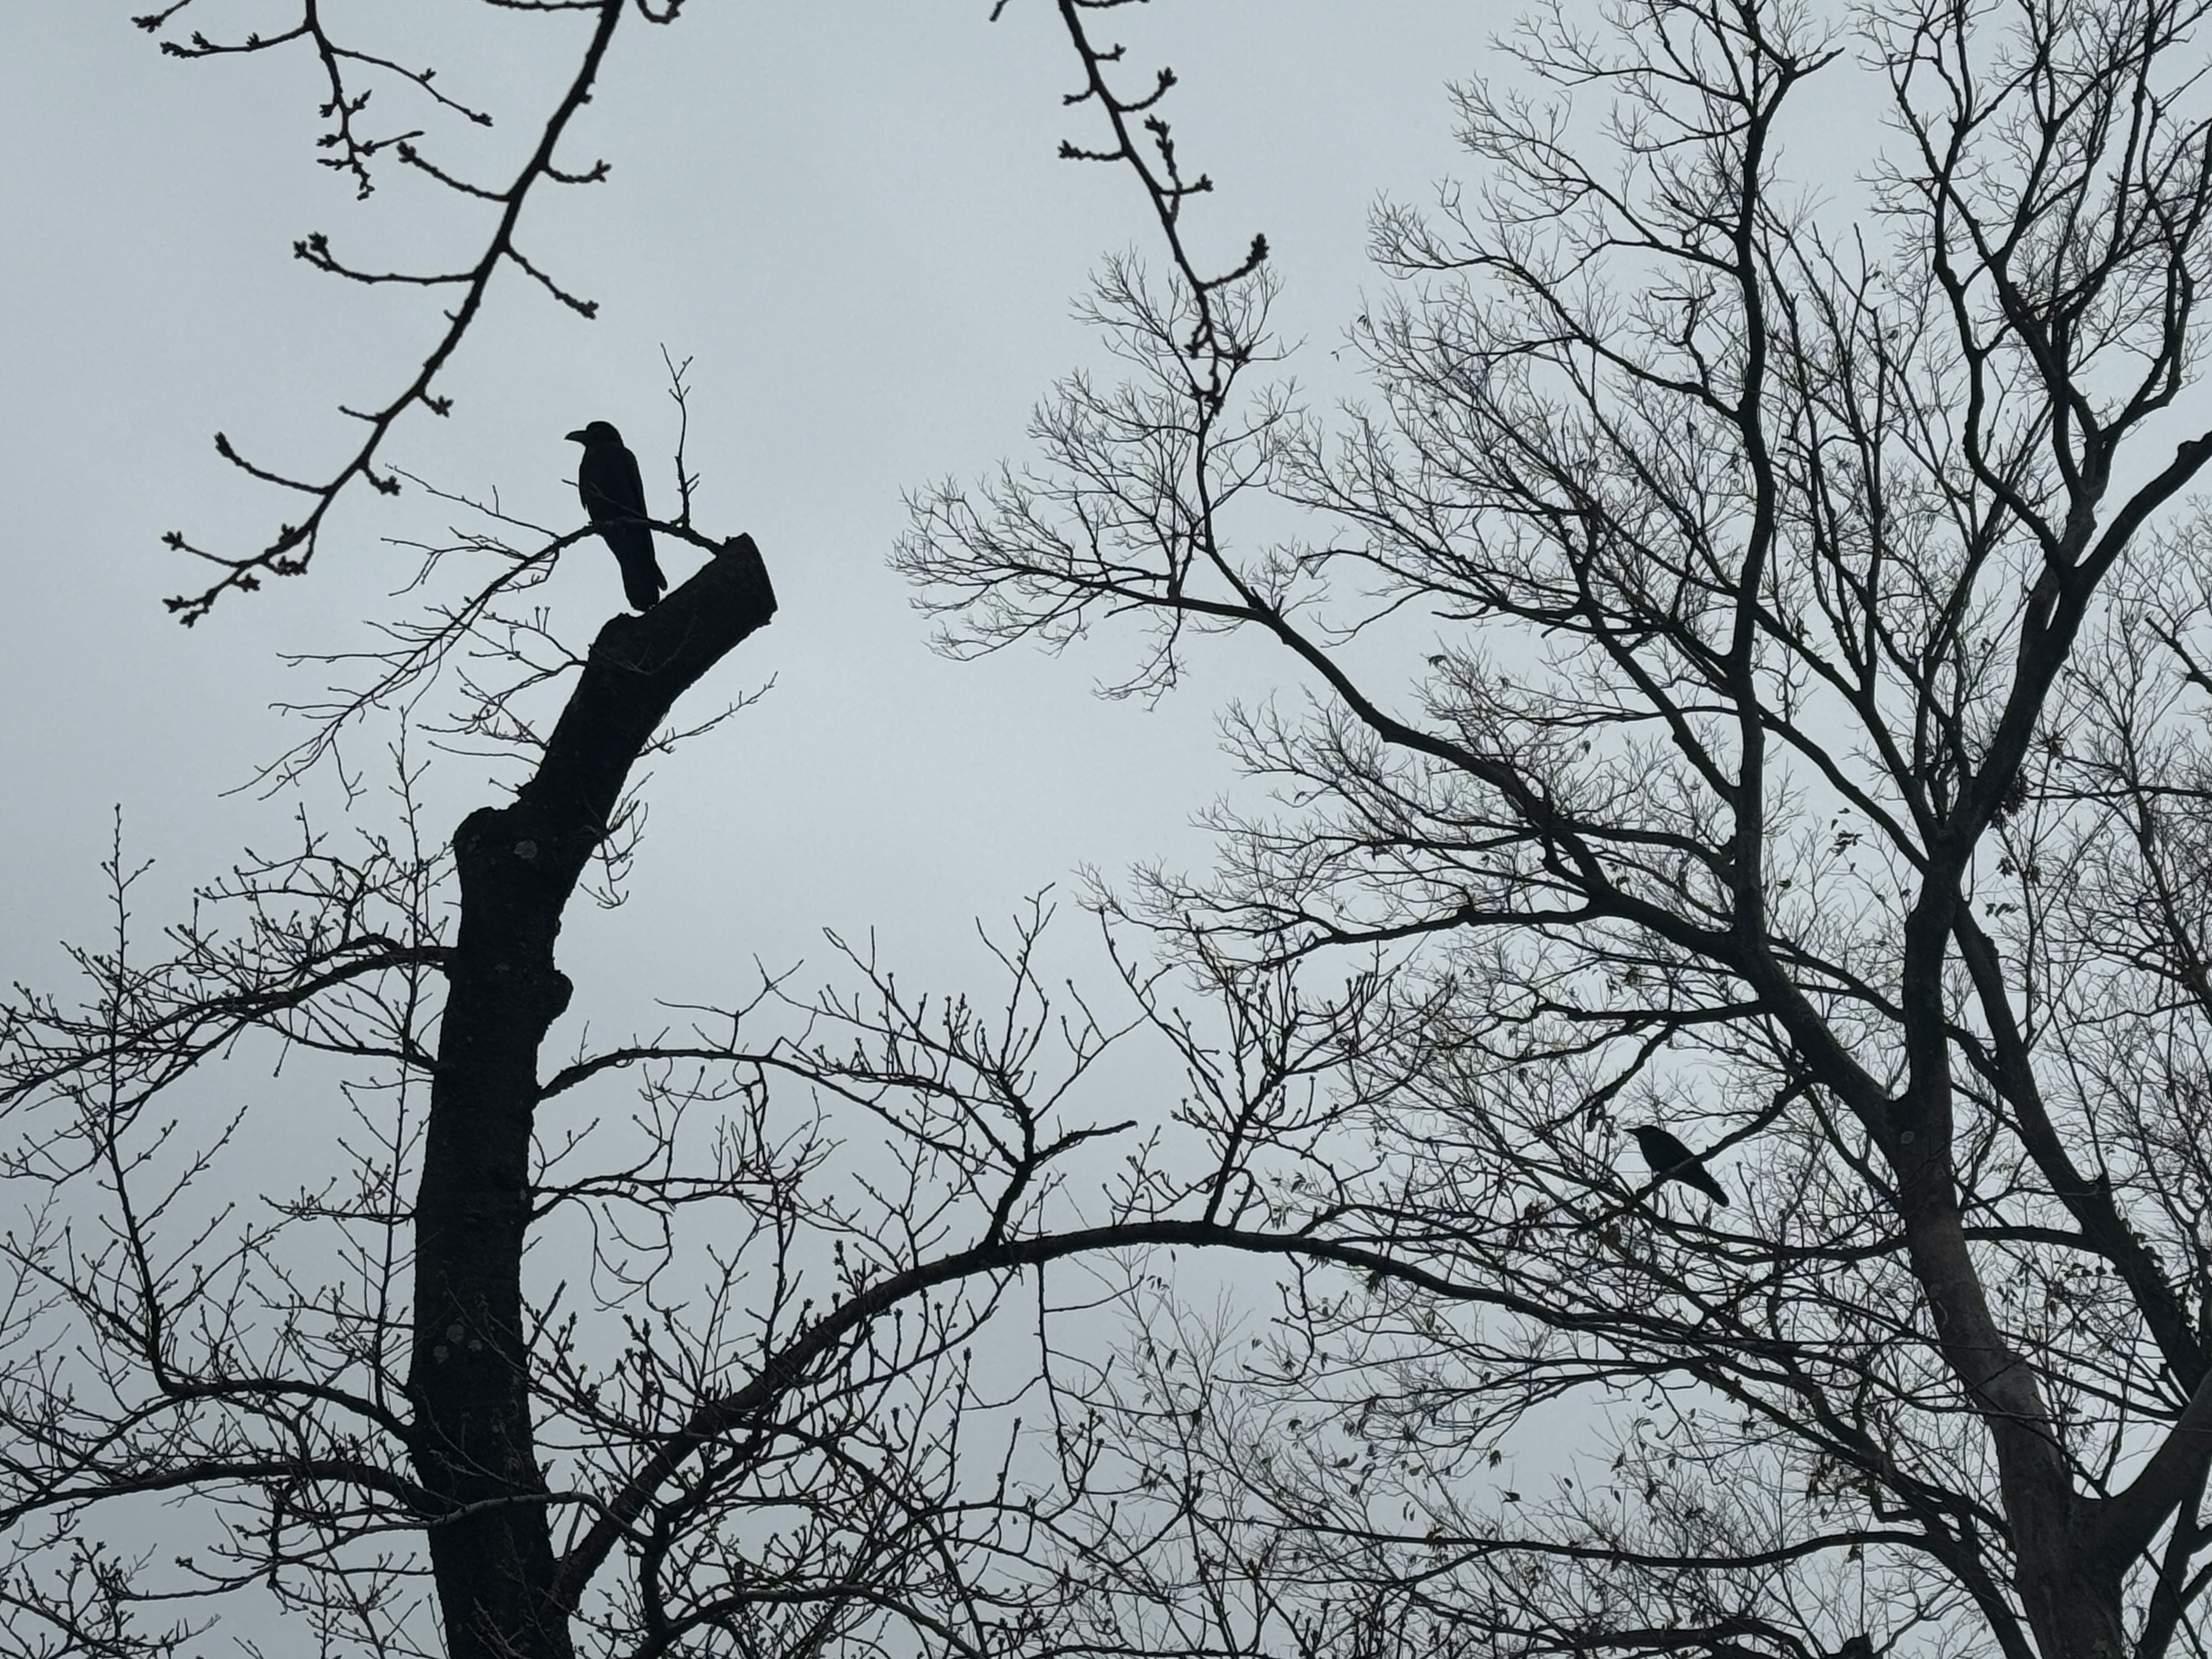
{"x":1670,"y":1160}
{"x":614,"y":495}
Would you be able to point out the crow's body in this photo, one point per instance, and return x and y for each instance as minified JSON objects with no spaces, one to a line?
{"x":614,"y":495}
{"x":1671,"y":1160}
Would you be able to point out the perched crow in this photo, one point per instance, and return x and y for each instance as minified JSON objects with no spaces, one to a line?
{"x":1670,"y":1159}
{"x":614,"y":495}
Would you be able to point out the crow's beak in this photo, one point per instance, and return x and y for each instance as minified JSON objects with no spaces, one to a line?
{"x":578,"y":438}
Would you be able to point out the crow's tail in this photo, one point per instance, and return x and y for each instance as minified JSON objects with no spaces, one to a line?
{"x":1700,"y":1177}
{"x":642,"y":582}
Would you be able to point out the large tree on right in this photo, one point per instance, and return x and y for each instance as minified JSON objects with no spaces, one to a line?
{"x":1760,"y":640}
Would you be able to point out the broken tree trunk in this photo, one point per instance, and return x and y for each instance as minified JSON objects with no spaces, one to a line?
{"x":491,"y":1546}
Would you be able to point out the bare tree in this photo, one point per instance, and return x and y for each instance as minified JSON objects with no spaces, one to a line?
{"x":1758,"y":638}
{"x":735,"y":1364}
{"x":698,"y":1373}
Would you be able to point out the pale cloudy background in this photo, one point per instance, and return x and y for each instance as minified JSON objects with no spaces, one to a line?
{"x":848,"y":212}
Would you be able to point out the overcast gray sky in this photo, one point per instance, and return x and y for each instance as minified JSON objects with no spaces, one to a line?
{"x":848,"y":213}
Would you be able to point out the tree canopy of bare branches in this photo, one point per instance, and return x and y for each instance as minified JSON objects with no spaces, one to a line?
{"x":1755,"y":640}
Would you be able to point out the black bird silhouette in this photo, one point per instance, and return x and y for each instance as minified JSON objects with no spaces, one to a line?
{"x":614,"y":495}
{"x":1671,"y":1160}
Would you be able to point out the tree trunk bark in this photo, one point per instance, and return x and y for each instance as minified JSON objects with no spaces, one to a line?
{"x":491,"y":1551}
{"x":2074,"y":1609}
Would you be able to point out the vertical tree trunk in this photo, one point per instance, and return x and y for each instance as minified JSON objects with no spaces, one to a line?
{"x":2073,"y":1608}
{"x":492,"y":1552}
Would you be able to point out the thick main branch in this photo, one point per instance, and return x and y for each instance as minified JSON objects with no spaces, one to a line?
{"x":475,"y":1452}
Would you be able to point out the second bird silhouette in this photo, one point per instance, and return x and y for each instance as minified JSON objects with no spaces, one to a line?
{"x":614,"y":495}
{"x":1671,"y":1160}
